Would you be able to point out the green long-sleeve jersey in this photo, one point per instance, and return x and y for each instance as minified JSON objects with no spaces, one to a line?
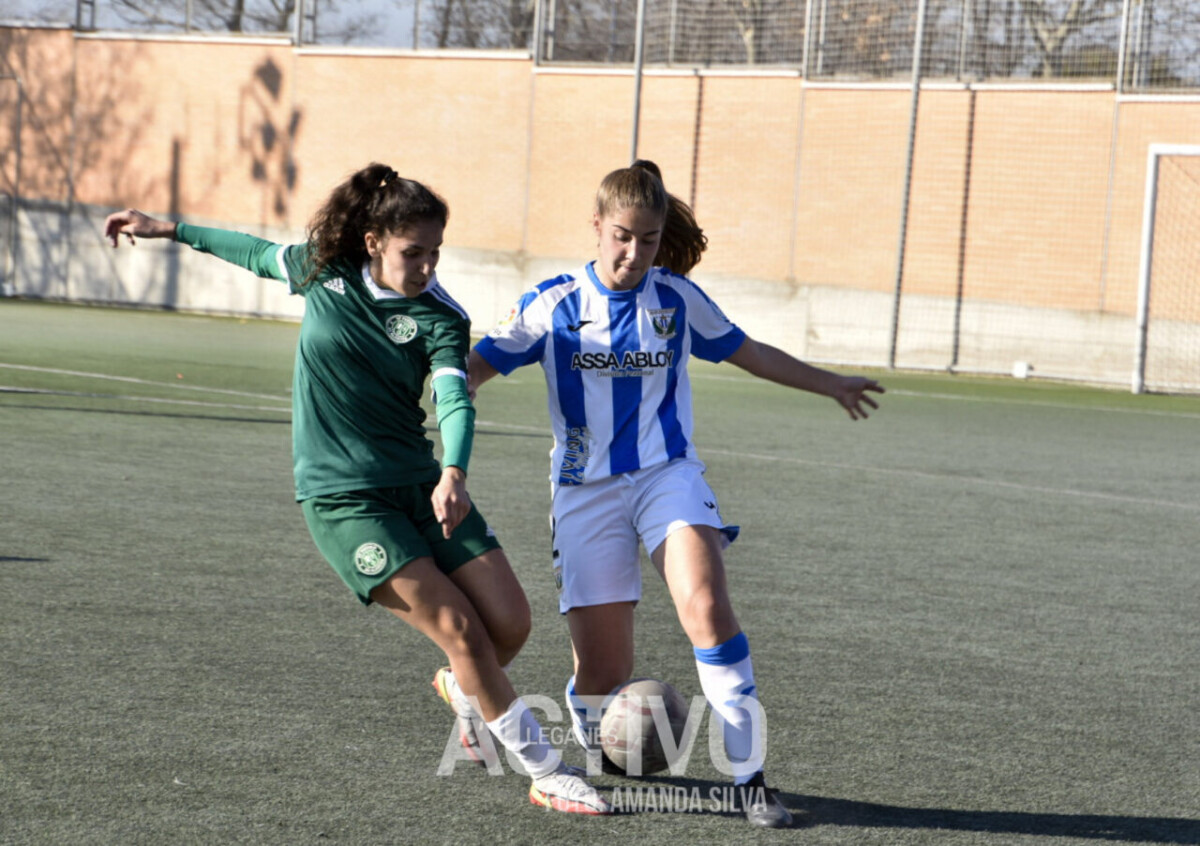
{"x":362,"y":359}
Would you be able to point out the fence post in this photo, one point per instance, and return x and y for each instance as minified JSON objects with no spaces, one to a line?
{"x":9,"y":288}
{"x":1149,"y":206}
{"x":79,"y":7}
{"x":918,"y":45}
{"x":672,"y":33}
{"x":966,"y":14}
{"x":1114,"y":138}
{"x":535,"y":37}
{"x":804,"y":51}
{"x":806,"y":47}
{"x":299,"y":36}
{"x":820,"y":70}
{"x":961,"y":270}
{"x":638,"y":48}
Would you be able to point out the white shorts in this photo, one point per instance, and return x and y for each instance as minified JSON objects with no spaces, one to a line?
{"x":595,"y":528}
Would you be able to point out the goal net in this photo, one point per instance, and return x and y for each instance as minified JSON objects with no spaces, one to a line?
{"x":1168,"y":350}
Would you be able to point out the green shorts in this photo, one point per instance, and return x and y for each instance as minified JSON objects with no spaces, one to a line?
{"x":368,"y":535}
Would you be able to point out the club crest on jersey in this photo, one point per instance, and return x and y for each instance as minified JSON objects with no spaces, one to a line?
{"x":401,"y":328}
{"x":663,"y":321}
{"x":370,"y":559}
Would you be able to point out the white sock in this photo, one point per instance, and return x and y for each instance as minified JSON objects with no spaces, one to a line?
{"x":462,"y":704}
{"x":458,"y":700}
{"x":522,"y":735}
{"x":727,"y":679}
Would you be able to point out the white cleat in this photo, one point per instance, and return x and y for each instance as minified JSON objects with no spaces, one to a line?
{"x":564,"y":790}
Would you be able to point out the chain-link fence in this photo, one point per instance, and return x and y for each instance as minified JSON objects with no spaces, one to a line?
{"x":1154,"y":44}
{"x":875,"y":39}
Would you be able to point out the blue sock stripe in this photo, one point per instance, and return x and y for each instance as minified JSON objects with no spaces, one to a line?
{"x":736,"y":649}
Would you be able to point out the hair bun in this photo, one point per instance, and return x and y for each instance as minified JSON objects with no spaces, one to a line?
{"x":648,"y":166}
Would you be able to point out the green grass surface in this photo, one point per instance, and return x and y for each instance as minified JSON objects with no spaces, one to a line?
{"x":974,"y":616}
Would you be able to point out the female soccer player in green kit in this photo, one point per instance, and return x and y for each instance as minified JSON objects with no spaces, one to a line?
{"x":399,"y":529}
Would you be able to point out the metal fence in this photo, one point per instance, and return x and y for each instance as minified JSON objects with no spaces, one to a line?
{"x":1138,"y":45}
{"x":978,"y":40}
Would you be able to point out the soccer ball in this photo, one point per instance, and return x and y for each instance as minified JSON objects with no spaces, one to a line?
{"x":629,"y":733}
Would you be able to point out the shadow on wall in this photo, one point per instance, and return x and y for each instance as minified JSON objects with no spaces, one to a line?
{"x":268,"y":140}
{"x":67,"y":132}
{"x":80,"y":135}
{"x":35,"y":163}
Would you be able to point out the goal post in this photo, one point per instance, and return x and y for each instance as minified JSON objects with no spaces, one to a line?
{"x":1167,"y":354}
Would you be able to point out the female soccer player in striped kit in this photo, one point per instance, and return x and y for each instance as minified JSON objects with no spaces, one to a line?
{"x":399,"y":529}
{"x":614,"y":340}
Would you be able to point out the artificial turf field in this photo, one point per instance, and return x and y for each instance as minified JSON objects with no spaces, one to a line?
{"x":975,"y":616}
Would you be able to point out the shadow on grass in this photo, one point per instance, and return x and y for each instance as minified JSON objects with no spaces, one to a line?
{"x":845,"y":812}
{"x":665,"y":794}
{"x":17,"y":559}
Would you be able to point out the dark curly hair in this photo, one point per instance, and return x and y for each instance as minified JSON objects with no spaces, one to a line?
{"x":374,"y":199}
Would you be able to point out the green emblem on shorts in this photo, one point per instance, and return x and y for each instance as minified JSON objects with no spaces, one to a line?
{"x":370,"y":559}
{"x":401,"y":328}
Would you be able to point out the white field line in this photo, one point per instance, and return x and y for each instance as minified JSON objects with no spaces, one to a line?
{"x":537,"y":430}
{"x":709,"y":376}
{"x":540,"y":430}
{"x":895,"y":392}
{"x":1154,"y":412}
{"x":179,"y":386}
{"x":945,"y":477}
{"x":9,"y":389}
{"x":920,"y":474}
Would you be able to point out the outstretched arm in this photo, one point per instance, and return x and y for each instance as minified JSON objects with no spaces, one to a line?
{"x":773,"y":364}
{"x":258,"y":255}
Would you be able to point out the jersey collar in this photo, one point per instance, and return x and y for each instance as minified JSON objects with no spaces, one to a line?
{"x":379,"y":293}
{"x":609,"y":292}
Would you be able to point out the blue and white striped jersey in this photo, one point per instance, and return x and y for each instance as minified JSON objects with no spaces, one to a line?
{"x":615,"y":365}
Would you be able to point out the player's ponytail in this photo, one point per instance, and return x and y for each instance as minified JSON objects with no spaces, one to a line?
{"x":374,"y":199}
{"x":640,"y":186}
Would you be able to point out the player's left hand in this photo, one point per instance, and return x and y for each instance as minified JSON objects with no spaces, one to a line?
{"x":851,"y":394}
{"x":451,"y":503}
{"x":132,"y":222}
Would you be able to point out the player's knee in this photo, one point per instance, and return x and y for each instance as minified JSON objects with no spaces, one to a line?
{"x":510,"y":635}
{"x":707,"y":617}
{"x":462,"y":635}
